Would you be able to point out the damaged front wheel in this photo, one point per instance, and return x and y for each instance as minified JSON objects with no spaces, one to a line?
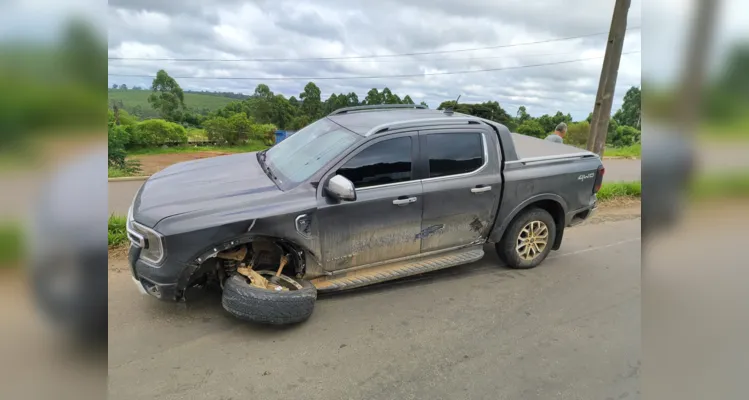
{"x":283,"y":301}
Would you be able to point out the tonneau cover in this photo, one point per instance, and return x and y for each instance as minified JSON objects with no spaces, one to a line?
{"x":531,"y":147}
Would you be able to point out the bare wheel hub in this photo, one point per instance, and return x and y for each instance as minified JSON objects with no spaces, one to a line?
{"x":532,"y":240}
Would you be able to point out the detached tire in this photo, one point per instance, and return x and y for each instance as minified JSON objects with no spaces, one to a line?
{"x":528,"y":239}
{"x":253,"y":304}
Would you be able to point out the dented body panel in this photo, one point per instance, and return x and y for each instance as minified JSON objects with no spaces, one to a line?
{"x":204,"y":207}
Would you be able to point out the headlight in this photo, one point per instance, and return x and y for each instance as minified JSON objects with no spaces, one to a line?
{"x":150,"y":241}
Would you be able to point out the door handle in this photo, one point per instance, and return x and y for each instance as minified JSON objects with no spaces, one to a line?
{"x":481,"y":189}
{"x":404,"y":201}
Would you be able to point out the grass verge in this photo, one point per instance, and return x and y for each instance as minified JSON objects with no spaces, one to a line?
{"x":116,"y":232}
{"x":634,"y":151}
{"x":113,"y":172}
{"x":731,"y":185}
{"x":252,"y":146}
{"x":11,"y":245}
{"x":615,"y":190}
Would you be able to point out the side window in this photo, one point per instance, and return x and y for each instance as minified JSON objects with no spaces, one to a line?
{"x":454,"y":153}
{"x":388,"y":161}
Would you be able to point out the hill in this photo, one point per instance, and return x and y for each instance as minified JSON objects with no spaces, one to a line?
{"x":136,"y":102}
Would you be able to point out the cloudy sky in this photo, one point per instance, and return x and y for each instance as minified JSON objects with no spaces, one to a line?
{"x":221,"y":30}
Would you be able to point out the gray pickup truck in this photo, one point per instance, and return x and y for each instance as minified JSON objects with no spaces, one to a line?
{"x":364,"y":195}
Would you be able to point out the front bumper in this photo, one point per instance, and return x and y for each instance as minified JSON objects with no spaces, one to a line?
{"x":166,"y":282}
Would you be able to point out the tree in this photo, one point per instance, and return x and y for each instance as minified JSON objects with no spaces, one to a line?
{"x":167,"y":97}
{"x":424,"y":103}
{"x":216,"y":128}
{"x":114,"y":86}
{"x":123,"y":87}
{"x":522,"y":115}
{"x":282,"y":112}
{"x":294,"y":102}
{"x":352,"y":100}
{"x":311,"y":103}
{"x":263,"y":91}
{"x":629,"y":113}
{"x":389,"y":98}
{"x":137,"y":88}
{"x":407,"y":100}
{"x":374,"y":97}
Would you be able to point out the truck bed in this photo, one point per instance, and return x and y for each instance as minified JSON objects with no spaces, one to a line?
{"x":528,"y":147}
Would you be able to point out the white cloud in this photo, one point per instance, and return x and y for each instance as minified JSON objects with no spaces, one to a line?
{"x":229,"y":29}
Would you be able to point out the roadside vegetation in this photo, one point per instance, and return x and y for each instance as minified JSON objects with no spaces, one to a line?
{"x":633,"y":151}
{"x":116,"y":231}
{"x":164,"y":119}
{"x":720,"y":186}
{"x":618,"y":190}
{"x":11,"y":245}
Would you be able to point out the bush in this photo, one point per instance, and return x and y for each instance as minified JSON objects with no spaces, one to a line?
{"x":265,"y":133}
{"x":215,"y":129}
{"x":577,"y":133}
{"x":116,"y":231}
{"x":156,"y":132}
{"x":624,"y":136}
{"x":532,"y":128}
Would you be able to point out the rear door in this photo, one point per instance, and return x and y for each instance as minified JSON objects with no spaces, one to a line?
{"x":461,"y":188}
{"x":384,"y":221}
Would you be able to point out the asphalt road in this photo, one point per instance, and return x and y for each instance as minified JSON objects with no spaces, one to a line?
{"x":569,"y":329}
{"x":121,"y":193}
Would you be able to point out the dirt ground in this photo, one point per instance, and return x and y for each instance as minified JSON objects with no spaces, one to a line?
{"x":153,"y":163}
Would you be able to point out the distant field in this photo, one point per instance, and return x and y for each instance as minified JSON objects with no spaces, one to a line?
{"x":195,"y":101}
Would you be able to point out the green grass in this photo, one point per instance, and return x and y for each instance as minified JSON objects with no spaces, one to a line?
{"x":116,"y":232}
{"x":194,"y":101}
{"x":252,"y":146}
{"x":619,"y":189}
{"x":11,"y":245}
{"x":634,"y":151}
{"x":113,"y":172}
{"x":731,"y":185}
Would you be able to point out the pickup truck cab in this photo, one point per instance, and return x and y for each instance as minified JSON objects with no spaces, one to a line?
{"x":364,"y":195}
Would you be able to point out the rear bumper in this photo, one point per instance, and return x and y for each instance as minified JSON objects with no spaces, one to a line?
{"x":166,"y":282}
{"x":581,"y":215}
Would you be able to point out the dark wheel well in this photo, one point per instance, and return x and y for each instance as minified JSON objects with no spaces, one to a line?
{"x":557,"y":212}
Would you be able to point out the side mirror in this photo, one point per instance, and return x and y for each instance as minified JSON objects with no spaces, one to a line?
{"x":339,"y":187}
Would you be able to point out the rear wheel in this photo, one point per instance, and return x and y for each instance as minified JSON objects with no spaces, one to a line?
{"x":528,"y":239}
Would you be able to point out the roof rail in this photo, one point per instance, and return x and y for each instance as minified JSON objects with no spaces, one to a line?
{"x":375,"y":107}
{"x":418,"y":123}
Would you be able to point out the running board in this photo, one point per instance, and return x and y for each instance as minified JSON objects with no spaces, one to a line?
{"x":382,"y":273}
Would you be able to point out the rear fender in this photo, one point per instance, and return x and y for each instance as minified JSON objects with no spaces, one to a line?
{"x":499,"y":228}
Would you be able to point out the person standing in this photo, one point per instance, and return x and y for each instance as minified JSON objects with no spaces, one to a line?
{"x":559,"y":132}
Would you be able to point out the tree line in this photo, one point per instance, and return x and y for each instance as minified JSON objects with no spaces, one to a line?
{"x":263,"y":111}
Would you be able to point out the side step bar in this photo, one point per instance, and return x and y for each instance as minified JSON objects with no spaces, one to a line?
{"x":382,"y":273}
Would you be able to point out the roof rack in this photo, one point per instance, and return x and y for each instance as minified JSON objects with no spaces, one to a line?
{"x":376,"y":107}
{"x":418,"y":123}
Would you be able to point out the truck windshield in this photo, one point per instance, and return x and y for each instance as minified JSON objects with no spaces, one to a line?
{"x":295,"y":159}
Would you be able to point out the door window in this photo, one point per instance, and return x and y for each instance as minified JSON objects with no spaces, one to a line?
{"x":454,"y":153}
{"x":382,"y":163}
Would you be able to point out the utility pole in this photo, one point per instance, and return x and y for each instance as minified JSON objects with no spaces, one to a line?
{"x":605,"y":97}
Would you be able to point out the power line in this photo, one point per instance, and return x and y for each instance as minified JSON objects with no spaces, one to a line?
{"x":320,"y":78}
{"x":361,"y":57}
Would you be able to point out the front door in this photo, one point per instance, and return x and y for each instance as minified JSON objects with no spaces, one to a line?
{"x":462,"y":188}
{"x":384,"y":221}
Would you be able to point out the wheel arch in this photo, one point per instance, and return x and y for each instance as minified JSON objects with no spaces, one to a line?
{"x":552,"y":203}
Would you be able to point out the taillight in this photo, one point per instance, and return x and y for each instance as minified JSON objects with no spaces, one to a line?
{"x":599,"y":179}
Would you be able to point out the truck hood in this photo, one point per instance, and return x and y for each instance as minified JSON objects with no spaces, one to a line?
{"x":203,"y":185}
